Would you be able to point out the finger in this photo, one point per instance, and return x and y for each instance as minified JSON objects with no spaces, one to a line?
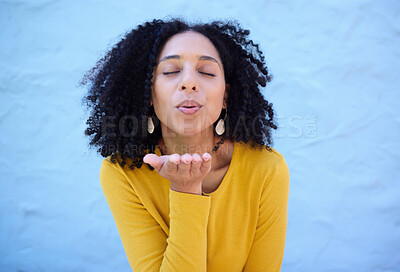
{"x":184,"y":166}
{"x":171,"y":163}
{"x":206,"y":164}
{"x":196,"y":158}
{"x":196,"y":163}
{"x":154,"y":161}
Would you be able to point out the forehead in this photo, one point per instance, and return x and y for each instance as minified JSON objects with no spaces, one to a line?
{"x":189,"y":44}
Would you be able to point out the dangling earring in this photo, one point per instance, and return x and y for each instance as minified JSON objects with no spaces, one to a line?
{"x":150,"y":125}
{"x":220,"y":127}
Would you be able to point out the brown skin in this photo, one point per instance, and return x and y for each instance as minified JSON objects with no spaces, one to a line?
{"x":185,"y":172}
{"x":194,"y":72}
{"x":193,"y":174}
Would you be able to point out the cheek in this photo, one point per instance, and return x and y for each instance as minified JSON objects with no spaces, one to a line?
{"x":217,"y":95}
{"x":158,"y":93}
{"x":159,"y":106}
{"x":161,"y":99}
{"x":216,"y":104}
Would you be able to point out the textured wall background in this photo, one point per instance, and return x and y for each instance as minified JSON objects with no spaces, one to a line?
{"x":336,"y":91}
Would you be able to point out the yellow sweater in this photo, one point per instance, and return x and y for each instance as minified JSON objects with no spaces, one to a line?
{"x":241,"y":226}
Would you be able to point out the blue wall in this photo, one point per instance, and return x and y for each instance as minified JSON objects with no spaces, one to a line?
{"x":335,"y":89}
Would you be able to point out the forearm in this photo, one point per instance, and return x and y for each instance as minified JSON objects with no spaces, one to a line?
{"x":187,"y":242}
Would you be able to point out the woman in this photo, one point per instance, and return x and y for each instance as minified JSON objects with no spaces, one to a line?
{"x":185,"y":100}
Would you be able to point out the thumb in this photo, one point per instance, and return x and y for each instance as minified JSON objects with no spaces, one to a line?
{"x":154,"y":161}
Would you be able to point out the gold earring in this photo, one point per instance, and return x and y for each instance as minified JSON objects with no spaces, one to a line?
{"x":150,"y":125}
{"x":220,"y":127}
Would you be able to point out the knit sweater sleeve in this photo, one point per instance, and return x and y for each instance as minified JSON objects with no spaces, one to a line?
{"x":268,"y":246}
{"x":146,"y":245}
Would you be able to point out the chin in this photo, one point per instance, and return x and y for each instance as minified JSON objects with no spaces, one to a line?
{"x":196,"y":131}
{"x":188,"y":129}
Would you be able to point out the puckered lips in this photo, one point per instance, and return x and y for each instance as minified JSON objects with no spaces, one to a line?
{"x":189,"y":106}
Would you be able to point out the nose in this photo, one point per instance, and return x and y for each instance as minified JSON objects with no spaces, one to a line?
{"x":186,"y":87}
{"x":188,"y":84}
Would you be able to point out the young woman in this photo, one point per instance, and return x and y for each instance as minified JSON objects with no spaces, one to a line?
{"x":185,"y":100}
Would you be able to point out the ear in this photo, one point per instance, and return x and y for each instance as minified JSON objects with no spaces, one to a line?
{"x":226,"y":95}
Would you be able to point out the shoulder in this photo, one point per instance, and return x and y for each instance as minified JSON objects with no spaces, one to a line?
{"x":258,"y":156}
{"x":112,"y":165}
{"x":111,"y":171}
{"x":266,"y":165}
{"x":113,"y":175}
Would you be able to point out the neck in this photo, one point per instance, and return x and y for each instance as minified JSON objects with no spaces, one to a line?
{"x":200,"y":144}
{"x":172,"y":143}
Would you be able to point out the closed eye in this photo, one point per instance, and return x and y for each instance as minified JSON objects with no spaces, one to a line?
{"x":170,"y":73}
{"x":207,"y":74}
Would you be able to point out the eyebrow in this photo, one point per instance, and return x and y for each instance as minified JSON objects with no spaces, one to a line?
{"x":177,"y":57}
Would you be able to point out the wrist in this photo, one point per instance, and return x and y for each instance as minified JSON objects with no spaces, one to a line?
{"x":195,"y":191}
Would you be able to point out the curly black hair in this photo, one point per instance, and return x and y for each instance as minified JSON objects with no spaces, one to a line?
{"x":120,"y":86}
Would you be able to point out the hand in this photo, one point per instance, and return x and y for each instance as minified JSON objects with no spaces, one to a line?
{"x":185,"y":172}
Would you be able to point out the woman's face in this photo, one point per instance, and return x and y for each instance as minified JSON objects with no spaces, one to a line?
{"x":189,"y":85}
